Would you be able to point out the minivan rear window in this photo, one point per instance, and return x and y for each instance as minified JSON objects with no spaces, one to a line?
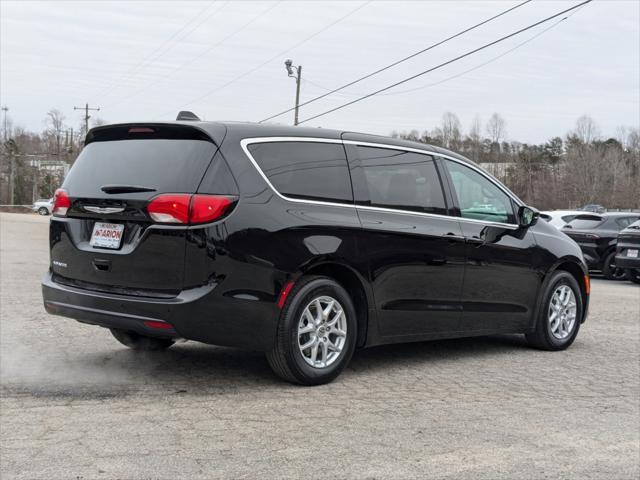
{"x":166,"y":165}
{"x":312,"y":170}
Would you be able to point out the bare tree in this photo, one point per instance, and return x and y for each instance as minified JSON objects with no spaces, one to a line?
{"x":55,"y":125}
{"x":586,"y":130}
{"x":451,"y":136}
{"x":475,"y":138}
{"x":629,"y":138}
{"x":496,"y":129}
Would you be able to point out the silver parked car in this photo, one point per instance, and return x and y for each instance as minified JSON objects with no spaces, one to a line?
{"x":43,"y":206}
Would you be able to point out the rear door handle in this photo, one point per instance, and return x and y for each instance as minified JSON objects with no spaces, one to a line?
{"x":475,"y":240}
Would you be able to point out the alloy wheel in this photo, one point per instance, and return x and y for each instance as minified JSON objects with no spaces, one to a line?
{"x":562,"y":312}
{"x":322,"y":331}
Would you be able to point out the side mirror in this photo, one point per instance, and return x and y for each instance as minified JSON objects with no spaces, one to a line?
{"x":527,"y":216}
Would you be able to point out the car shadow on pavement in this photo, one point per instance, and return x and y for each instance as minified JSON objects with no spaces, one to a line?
{"x":197,"y":369}
{"x":436,"y":351}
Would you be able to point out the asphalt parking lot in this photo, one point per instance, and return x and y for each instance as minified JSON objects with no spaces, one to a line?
{"x":76,"y":404}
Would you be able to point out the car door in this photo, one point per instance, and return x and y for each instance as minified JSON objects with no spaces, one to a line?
{"x":414,"y":250}
{"x":500,"y":282}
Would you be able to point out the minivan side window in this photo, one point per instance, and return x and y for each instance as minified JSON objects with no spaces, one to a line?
{"x":402,"y":180}
{"x":478,"y":197}
{"x":311,"y":170}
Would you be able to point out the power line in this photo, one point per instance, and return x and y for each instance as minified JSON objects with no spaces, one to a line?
{"x":460,"y":74}
{"x":277,"y":56}
{"x":199,"y":56}
{"x":157,"y":52}
{"x":471,"y":52}
{"x":491,"y":60}
{"x":397,"y":62}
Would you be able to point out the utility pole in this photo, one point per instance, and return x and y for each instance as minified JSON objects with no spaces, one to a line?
{"x":5,"y":109}
{"x":86,"y":115}
{"x":295,"y":72}
{"x":12,"y":177}
{"x":12,"y":161}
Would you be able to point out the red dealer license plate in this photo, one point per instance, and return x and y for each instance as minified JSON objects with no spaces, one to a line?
{"x":107,"y":235}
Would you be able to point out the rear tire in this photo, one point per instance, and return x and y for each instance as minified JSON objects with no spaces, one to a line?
{"x":43,"y":211}
{"x":633,"y":274}
{"x":329,"y":330}
{"x":610,"y":270}
{"x":136,"y":341}
{"x":562,"y":296}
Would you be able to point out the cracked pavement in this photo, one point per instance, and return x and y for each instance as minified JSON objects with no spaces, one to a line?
{"x":76,"y":404}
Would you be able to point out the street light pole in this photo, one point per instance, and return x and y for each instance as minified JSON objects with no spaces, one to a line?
{"x":295,"y":72}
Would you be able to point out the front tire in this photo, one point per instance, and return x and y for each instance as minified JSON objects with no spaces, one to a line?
{"x":560,"y":314}
{"x":316,"y":333}
{"x":136,"y":341}
{"x":610,"y":270}
{"x":43,"y":211}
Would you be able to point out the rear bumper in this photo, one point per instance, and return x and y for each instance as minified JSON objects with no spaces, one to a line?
{"x":627,"y":262}
{"x":109,"y":319}
{"x":195,"y":314}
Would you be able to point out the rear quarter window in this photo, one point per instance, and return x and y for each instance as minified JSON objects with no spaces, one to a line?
{"x":308,"y":170}
{"x":585,"y":222}
{"x":568,"y":218}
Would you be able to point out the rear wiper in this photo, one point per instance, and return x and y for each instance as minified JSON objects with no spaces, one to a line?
{"x":125,"y":189}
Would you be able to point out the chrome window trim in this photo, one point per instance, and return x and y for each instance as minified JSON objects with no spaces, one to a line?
{"x":244,"y":143}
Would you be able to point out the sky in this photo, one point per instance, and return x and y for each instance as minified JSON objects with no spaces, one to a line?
{"x":224,"y":60}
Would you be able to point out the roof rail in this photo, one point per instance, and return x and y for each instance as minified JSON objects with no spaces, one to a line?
{"x":189,"y":116}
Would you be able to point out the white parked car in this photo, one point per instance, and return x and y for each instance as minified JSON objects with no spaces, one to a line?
{"x":43,"y":206}
{"x":559,"y":218}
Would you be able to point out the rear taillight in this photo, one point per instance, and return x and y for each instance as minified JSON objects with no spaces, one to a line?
{"x":61,"y":203}
{"x":207,"y":208}
{"x":188,"y":209}
{"x":171,"y":208}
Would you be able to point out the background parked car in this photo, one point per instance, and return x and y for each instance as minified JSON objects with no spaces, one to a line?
{"x":593,"y":207}
{"x":43,"y":206}
{"x":559,"y":218}
{"x":628,"y":251}
{"x":597,"y":235}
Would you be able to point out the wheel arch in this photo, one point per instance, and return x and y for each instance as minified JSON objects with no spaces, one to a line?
{"x":355,"y":285}
{"x":573,"y":267}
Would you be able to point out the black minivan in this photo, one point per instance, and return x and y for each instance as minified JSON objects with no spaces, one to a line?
{"x":302,"y":243}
